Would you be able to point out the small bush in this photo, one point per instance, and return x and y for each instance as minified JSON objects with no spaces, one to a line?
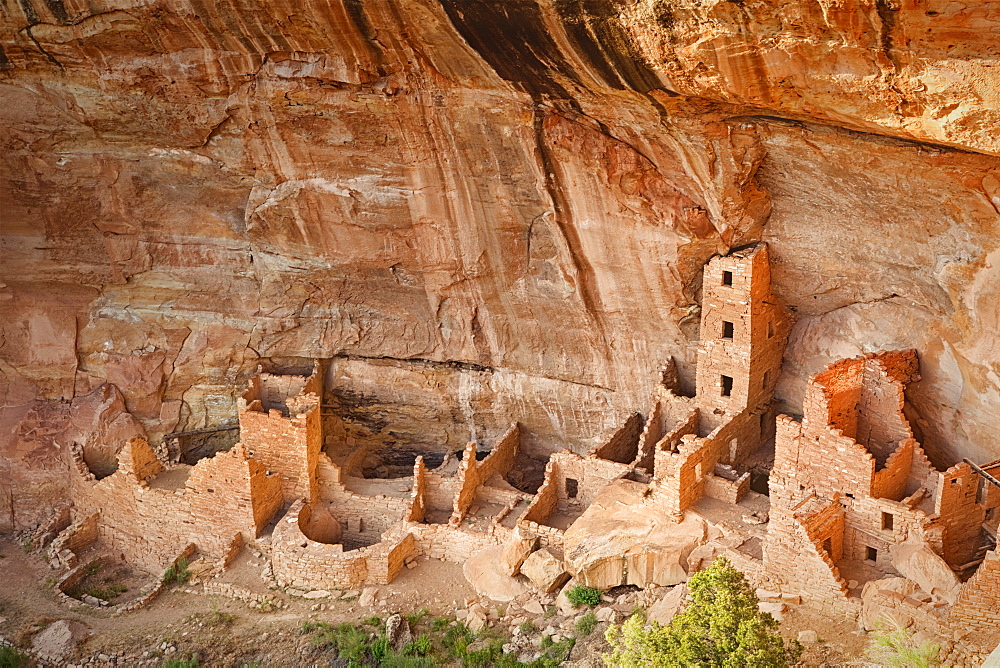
{"x":585,"y":625}
{"x":220,"y":618}
{"x":528,"y":626}
{"x":457,"y":638}
{"x":178,"y":572}
{"x":421,"y":646}
{"x":580,"y":595}
{"x":440,"y":624}
{"x":897,"y":649}
{"x":415,"y":617}
{"x":380,"y":649}
{"x":12,"y":658}
{"x":182,"y":663}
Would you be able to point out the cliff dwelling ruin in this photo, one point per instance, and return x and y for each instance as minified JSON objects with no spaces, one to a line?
{"x":839,"y":508}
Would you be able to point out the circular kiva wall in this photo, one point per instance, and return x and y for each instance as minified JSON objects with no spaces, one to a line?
{"x":319,"y":524}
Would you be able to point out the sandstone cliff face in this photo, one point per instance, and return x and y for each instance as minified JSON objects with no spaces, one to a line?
{"x":483,"y":211}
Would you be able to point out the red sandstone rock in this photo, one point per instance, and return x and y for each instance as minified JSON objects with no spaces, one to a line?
{"x":179,"y":203}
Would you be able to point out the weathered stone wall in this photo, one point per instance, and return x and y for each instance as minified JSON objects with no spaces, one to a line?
{"x":472,"y":475}
{"x":303,"y":563}
{"x":796,"y":558}
{"x":286,"y":446}
{"x":730,"y":491}
{"x":959,"y":513}
{"x":418,"y":503}
{"x":623,"y":446}
{"x":146,"y":523}
{"x":977,"y":609}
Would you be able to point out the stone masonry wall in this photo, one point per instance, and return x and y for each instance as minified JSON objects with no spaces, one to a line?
{"x":623,"y":446}
{"x":892,"y":481}
{"x":303,"y":563}
{"x":146,"y":523}
{"x":730,"y":491}
{"x":959,"y":513}
{"x":418,"y":507}
{"x":797,"y":560}
{"x":976,"y":613}
{"x":284,"y":446}
{"x":545,"y":501}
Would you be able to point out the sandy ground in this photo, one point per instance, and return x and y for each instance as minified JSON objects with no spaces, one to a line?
{"x":226,"y":633}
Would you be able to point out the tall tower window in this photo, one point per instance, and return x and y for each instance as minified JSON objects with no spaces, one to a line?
{"x":727,"y":330}
{"x":727,"y":278}
{"x":727,"y":386}
{"x":770,"y":330}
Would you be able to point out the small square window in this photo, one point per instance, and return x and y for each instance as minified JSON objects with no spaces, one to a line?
{"x":727,"y":278}
{"x":727,"y":386}
{"x":727,"y":329}
{"x":887,"y":521}
{"x":871,"y":554}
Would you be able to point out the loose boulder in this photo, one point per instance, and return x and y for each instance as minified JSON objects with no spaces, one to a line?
{"x":882,"y":602}
{"x":488,"y":576}
{"x":667,"y":607}
{"x":917,"y":562}
{"x":57,"y":641}
{"x":516,"y":550}
{"x":544,"y":570}
{"x":397,"y":632}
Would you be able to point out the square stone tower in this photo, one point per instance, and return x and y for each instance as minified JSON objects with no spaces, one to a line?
{"x":743,"y":333}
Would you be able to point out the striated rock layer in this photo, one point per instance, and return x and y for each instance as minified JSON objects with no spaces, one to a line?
{"x":483,"y":211}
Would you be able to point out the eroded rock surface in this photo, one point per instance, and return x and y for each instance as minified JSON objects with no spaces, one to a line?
{"x":622,"y":538}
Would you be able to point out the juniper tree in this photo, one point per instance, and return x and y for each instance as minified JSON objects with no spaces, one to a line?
{"x":720,"y":627}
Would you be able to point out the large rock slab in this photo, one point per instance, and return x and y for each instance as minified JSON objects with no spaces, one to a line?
{"x":544,"y":570}
{"x":516,"y":550}
{"x":917,"y":562}
{"x":57,"y":641}
{"x":625,"y":537}
{"x":667,"y":607}
{"x":485,"y":573}
{"x":880,"y":603}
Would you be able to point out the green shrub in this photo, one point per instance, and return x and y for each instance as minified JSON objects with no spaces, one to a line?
{"x":897,"y":649}
{"x":182,"y":663}
{"x":10,"y":657}
{"x":380,"y":649}
{"x":421,"y":646}
{"x":177,"y":572}
{"x":721,"y":626}
{"x":415,"y":617}
{"x":585,"y":625}
{"x":580,"y":595}
{"x":528,"y":626}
